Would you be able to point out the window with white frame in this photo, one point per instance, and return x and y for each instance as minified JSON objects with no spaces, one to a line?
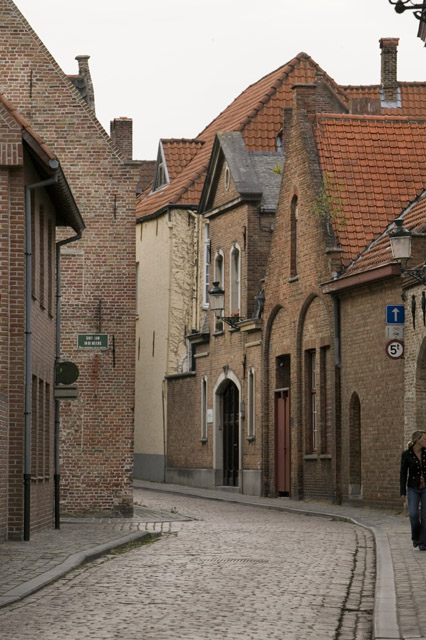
{"x":204,"y":408}
{"x":312,"y":400}
{"x":219,"y":268}
{"x":235,"y":277}
{"x":219,"y":276}
{"x":207,"y":259}
{"x":251,"y":404}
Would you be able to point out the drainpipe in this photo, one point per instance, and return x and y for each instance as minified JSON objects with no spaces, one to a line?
{"x":57,"y":475}
{"x":337,"y":399}
{"x":28,"y":343}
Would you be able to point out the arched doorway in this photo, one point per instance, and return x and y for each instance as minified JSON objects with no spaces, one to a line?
{"x":230,"y":423}
{"x":355,"y":480}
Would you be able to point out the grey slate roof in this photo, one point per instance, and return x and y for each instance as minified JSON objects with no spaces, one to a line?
{"x":266,"y":165}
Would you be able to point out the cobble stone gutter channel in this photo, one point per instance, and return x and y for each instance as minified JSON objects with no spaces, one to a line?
{"x":385,"y":620}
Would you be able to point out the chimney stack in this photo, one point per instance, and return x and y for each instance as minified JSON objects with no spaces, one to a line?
{"x":84,"y":72}
{"x":389,"y":83}
{"x":304,"y":97}
{"x":121,"y":130}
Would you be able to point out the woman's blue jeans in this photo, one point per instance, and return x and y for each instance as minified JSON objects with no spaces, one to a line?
{"x":417,"y":498}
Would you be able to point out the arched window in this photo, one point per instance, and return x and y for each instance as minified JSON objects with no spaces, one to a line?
{"x":294,"y":238}
{"x":219,"y":268}
{"x":204,"y":408}
{"x":206,"y":284}
{"x":251,"y":404}
{"x":355,"y":482}
{"x":235,"y":277}
{"x":219,"y":276}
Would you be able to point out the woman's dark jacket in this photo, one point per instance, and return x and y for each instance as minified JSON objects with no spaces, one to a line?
{"x":411,"y":469}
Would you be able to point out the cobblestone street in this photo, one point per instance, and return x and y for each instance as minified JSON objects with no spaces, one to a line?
{"x":233,"y":571}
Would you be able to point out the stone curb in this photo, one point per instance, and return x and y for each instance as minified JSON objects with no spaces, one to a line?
{"x":76,"y":559}
{"x":385,"y":623}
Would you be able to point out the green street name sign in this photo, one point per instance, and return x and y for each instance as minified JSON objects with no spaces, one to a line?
{"x":92,"y":341}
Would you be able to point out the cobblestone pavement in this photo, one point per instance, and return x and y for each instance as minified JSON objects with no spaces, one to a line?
{"x":234,"y":571}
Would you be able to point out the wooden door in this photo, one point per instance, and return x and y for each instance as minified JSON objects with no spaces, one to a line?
{"x":282,"y":441}
{"x":230,"y":435}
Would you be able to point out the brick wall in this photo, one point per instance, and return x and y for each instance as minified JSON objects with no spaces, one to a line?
{"x":97,"y":429}
{"x":298,"y":318}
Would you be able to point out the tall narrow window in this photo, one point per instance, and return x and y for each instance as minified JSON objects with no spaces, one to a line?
{"x":47,"y":431}
{"x":41,"y":430}
{"x":325,"y":401}
{"x":206,"y":265}
{"x":251,"y":404}
{"x":34,"y":428}
{"x":311,"y":400}
{"x":33,"y":246}
{"x":235,"y":276}
{"x":218,"y":268}
{"x":294,"y":238}
{"x":204,"y":408}
{"x":50,"y":266}
{"x":219,"y":277}
{"x":41,"y":255}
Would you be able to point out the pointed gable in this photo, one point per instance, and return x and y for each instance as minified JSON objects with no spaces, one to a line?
{"x":256,"y":113}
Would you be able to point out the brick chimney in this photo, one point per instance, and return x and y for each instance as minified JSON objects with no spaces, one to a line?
{"x":389,"y":83}
{"x":121,"y":130}
{"x":84,"y":72}
{"x":304,"y":97}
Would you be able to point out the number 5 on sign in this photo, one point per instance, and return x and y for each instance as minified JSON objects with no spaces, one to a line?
{"x":395,"y":349}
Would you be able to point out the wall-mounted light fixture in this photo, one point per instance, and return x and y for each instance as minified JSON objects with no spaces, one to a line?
{"x":419,"y":8}
{"x":400,"y":239}
{"x":217,"y":305}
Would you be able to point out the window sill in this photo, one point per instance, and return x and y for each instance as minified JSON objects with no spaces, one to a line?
{"x":251,"y":438}
{"x":325,"y":456}
{"x":293,"y":279}
{"x":203,"y":440}
{"x":219,"y":333}
{"x":311,"y":456}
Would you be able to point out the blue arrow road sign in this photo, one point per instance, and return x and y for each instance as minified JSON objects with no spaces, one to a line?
{"x":395,"y":314}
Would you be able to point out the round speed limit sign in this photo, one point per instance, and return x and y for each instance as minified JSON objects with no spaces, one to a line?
{"x":395,"y":349}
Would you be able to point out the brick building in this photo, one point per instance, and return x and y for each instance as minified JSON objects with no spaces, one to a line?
{"x":295,"y":402}
{"x":35,"y":199}
{"x":98,"y":273}
{"x":172,"y":243}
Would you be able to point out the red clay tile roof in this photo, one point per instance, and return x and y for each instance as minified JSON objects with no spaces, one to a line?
{"x":379,"y":252}
{"x":256,"y":112}
{"x":413,"y":98}
{"x":373,"y":168}
{"x":178,"y":152}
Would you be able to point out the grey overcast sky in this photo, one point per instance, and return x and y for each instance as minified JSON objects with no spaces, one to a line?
{"x":173,"y":65}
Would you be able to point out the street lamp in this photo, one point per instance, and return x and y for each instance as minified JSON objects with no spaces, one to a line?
{"x":400,"y":239}
{"x":217,"y":305}
{"x":408,"y":5}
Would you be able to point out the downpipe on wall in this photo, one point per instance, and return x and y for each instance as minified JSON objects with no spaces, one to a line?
{"x":57,"y":475}
{"x":28,"y":343}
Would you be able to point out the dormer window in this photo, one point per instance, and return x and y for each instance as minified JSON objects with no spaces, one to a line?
{"x":161,"y":178}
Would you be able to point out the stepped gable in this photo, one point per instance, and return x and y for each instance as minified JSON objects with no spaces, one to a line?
{"x":257,"y":112}
{"x":372,"y":167}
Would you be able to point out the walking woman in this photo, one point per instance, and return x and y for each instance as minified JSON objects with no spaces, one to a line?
{"x":413,"y":486}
